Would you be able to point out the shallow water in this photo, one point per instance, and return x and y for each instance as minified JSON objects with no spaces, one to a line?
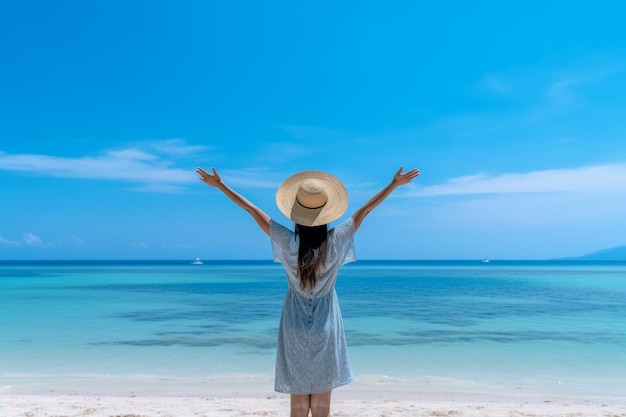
{"x":509,"y":325}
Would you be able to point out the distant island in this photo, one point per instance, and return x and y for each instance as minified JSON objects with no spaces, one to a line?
{"x":617,"y":253}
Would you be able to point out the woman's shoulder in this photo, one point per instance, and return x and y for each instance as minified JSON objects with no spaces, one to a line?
{"x":278,"y":229}
{"x":344,"y":228}
{"x":346,"y":224}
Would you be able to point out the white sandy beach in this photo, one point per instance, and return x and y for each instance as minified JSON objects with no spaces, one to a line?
{"x":154,"y":400}
{"x":105,"y":406}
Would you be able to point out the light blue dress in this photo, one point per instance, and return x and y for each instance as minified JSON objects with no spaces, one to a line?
{"x":312,"y":355}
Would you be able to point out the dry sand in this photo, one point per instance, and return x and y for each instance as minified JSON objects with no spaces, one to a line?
{"x":278,"y":405}
{"x":164,"y":397}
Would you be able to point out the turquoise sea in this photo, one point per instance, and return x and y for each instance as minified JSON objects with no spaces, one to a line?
{"x":417,"y":325}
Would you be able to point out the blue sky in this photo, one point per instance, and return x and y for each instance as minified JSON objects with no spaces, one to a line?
{"x":514,"y":111}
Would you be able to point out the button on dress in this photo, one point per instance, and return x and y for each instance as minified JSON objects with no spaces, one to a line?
{"x":312,"y":355}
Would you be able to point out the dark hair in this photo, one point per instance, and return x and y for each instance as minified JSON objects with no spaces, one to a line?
{"x":311,"y":253}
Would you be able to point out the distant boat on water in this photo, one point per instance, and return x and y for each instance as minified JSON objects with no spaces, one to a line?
{"x":485,"y":260}
{"x":197,"y":261}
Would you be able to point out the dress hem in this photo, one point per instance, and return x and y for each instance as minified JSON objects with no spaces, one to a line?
{"x":341,"y":384}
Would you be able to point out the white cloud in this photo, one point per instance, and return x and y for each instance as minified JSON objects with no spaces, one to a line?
{"x":252,"y":178}
{"x":596,"y":178}
{"x":31,"y":239}
{"x":8,"y":242}
{"x":563,"y":90}
{"x":177,"y":147}
{"x":594,"y":70}
{"x":133,"y":164}
{"x":542,"y":92}
{"x":138,"y":245}
{"x":131,"y":154}
{"x":28,"y":239}
{"x":544,"y":213}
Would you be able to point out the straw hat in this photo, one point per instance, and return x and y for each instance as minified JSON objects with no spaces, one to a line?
{"x":312,"y":198}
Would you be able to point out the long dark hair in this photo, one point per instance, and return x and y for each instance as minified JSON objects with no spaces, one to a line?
{"x":311,"y":253}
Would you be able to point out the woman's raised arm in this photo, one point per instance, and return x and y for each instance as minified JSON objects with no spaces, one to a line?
{"x":399,"y":179}
{"x":214,"y":180}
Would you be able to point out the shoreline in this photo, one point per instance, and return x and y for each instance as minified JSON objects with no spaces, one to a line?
{"x":262,"y":384}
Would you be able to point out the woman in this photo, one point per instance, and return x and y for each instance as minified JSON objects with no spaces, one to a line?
{"x":311,"y":356}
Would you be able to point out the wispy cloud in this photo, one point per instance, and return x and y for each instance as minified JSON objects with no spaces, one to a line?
{"x":556,"y":87}
{"x":565,"y":85}
{"x":30,"y":239}
{"x":8,"y":242}
{"x":563,"y":90}
{"x":252,"y":178}
{"x":138,"y":245}
{"x":147,"y":164}
{"x":177,"y":147}
{"x":27,"y":239}
{"x":596,"y":178}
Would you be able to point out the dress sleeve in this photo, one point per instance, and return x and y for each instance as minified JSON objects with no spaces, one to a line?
{"x":283,"y":242}
{"x":343,"y":242}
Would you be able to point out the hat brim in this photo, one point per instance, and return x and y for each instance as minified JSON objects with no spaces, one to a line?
{"x":334,"y":208}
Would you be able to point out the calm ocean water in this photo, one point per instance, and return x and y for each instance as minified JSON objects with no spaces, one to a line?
{"x":510,"y":325}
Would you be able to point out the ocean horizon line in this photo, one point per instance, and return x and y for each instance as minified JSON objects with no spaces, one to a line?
{"x":270,"y":261}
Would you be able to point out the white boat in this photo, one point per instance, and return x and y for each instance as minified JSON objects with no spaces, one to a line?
{"x":197,"y":261}
{"x":485,"y":260}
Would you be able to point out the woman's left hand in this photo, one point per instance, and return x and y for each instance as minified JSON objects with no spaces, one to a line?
{"x":401,"y":178}
{"x":210,"y":179}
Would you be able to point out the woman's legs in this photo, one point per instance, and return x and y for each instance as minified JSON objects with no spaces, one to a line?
{"x":319,"y":404}
{"x":300,"y":405}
